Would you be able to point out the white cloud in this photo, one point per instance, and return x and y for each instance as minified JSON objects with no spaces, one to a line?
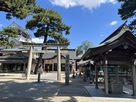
{"x":89,"y":4}
{"x":37,"y":40}
{"x":113,"y":23}
{"x":1,"y":25}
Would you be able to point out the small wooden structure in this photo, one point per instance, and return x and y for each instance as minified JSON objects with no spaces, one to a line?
{"x":117,"y":49}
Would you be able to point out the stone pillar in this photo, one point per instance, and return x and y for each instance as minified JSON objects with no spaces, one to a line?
{"x":96,"y":77}
{"x":134,"y":78}
{"x":29,"y":65}
{"x":106,"y":86}
{"x":58,"y":64}
{"x":67,"y":70}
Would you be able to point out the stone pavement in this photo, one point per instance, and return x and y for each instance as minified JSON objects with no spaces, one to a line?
{"x":14,"y":88}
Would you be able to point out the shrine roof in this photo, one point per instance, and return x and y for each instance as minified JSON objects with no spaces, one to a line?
{"x":119,"y":37}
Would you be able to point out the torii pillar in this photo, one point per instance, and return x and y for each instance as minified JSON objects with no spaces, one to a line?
{"x":43,"y":51}
{"x":29,"y":65}
{"x":58,"y":64}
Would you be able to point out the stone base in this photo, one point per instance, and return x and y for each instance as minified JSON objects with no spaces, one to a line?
{"x":116,"y":88}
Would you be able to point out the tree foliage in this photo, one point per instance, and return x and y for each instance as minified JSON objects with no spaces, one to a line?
{"x":6,"y":34}
{"x":81,"y":49}
{"x":86,"y":45}
{"x":17,"y":8}
{"x":48,"y":24}
{"x":128,"y":10}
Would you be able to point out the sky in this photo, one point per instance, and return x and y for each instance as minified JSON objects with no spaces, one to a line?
{"x":91,"y":20}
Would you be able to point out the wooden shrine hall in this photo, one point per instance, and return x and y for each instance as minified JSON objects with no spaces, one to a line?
{"x":117,"y":49}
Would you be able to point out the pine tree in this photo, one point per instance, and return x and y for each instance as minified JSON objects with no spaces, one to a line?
{"x":128,"y":11}
{"x":17,"y":8}
{"x":5,"y":34}
{"x":48,"y":23}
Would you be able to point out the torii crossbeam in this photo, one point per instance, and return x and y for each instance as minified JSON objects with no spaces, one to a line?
{"x":31,"y":45}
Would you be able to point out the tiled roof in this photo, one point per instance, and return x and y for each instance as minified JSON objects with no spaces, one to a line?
{"x":14,"y":56}
{"x":116,"y":33}
{"x":114,"y":40}
{"x":15,"y":25}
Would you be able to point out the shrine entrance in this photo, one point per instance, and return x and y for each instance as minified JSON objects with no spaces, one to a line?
{"x":31,"y":51}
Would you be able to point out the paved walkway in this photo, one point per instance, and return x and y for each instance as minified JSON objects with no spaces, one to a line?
{"x":14,"y":88}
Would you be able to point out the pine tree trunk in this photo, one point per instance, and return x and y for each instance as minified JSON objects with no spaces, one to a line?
{"x":40,"y":57}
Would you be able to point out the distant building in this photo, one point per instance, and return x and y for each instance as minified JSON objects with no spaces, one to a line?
{"x":23,"y":36}
{"x":14,"y":59}
{"x":50,"y":59}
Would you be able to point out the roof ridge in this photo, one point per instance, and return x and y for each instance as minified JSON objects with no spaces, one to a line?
{"x":25,"y":30}
{"x":115,"y":32}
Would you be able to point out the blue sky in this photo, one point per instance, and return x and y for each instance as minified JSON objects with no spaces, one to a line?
{"x":91,"y":20}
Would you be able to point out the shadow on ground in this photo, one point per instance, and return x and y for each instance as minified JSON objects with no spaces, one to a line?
{"x":46,"y":90}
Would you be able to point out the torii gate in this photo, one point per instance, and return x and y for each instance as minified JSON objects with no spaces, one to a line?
{"x":42,"y":51}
